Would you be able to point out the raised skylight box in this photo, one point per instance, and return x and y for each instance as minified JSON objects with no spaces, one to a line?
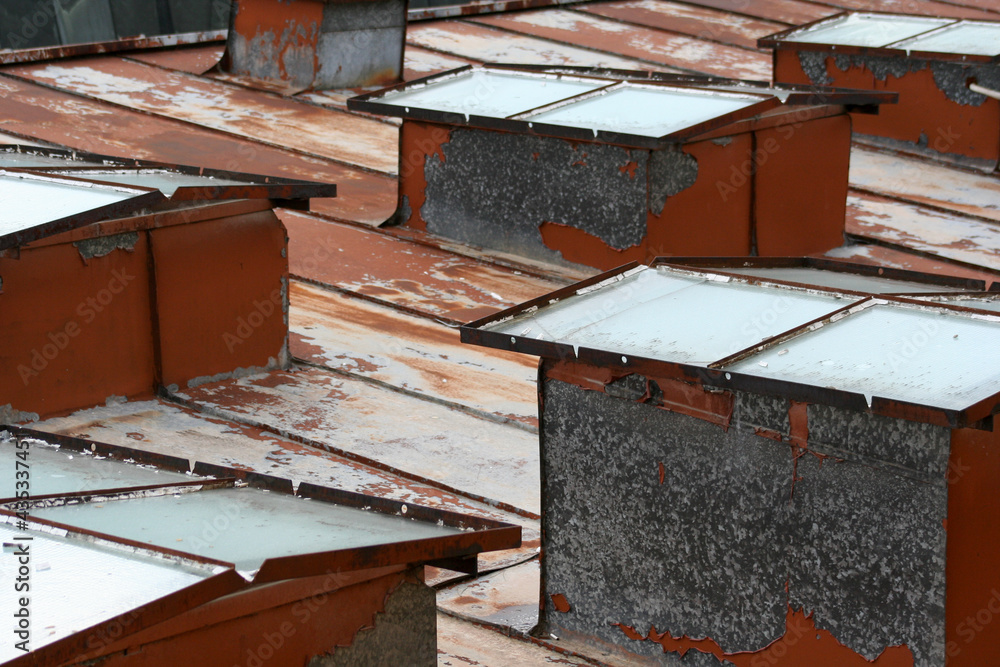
{"x":159,"y":262}
{"x":946,"y":71}
{"x":827,"y":430}
{"x":599,"y":167}
{"x":141,"y":550}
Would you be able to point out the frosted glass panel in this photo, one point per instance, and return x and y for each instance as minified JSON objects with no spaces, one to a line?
{"x":914,"y":355}
{"x":645,"y":112}
{"x":866,"y":30}
{"x":490,"y":94}
{"x":839,"y":280}
{"x":967,"y":37}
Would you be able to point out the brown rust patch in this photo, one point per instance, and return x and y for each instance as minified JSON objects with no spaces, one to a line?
{"x":802,"y":644}
{"x":560,"y":602}
{"x":418,"y":142}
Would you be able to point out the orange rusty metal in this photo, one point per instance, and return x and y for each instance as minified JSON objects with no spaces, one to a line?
{"x":192,"y":59}
{"x":75,"y":332}
{"x":802,"y":644}
{"x":798,"y":210}
{"x":924,"y":118}
{"x":792,"y":12}
{"x":85,"y":328}
{"x":221,"y":296}
{"x":972,"y":604}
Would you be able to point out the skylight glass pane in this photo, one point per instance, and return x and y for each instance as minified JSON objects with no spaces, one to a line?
{"x":967,"y":38}
{"x":26,"y":203}
{"x":166,"y":182}
{"x":907,"y":354}
{"x":675,"y":318}
{"x":56,"y":470}
{"x":866,"y":30}
{"x":75,"y":585}
{"x":492,"y":94}
{"x":841,"y":280}
{"x":249,"y":532}
{"x":645,"y":112}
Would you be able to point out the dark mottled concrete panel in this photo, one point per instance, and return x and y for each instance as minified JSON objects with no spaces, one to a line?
{"x":770,"y":412}
{"x":911,"y":446}
{"x":495,"y":189}
{"x":869,"y":558}
{"x":701,"y":555}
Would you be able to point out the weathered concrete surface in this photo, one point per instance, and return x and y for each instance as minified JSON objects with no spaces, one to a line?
{"x":715,"y":534}
{"x":528,"y":181}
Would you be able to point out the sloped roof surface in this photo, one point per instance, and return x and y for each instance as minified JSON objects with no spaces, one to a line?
{"x":383,"y":398}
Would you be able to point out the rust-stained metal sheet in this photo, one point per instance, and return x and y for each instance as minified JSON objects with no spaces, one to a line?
{"x":461,"y":642}
{"x":922,"y":7}
{"x":878,"y":255}
{"x":657,"y":46}
{"x":166,"y":428}
{"x":235,"y":110}
{"x":924,"y":182}
{"x":423,"y":440}
{"x":434,"y":282}
{"x":793,"y":12}
{"x":68,"y":120}
{"x":418,"y":62}
{"x":413,"y":354}
{"x":193,"y":60}
{"x":484,"y":44}
{"x":508,"y":598}
{"x":938,"y":233}
{"x":699,"y":22}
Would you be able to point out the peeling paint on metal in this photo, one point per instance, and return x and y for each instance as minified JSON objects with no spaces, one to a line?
{"x":238,"y":373}
{"x":11,"y":415}
{"x":670,"y":172}
{"x":540,"y":179}
{"x":105,"y":245}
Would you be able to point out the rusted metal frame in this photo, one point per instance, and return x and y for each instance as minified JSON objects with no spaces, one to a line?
{"x":114,"y":452}
{"x":255,"y":480}
{"x":8,"y":57}
{"x":258,"y":186}
{"x":778,"y":41}
{"x":251,"y":190}
{"x":145,"y":491}
{"x":823,"y":264}
{"x":146,"y":221}
{"x":345,"y":454}
{"x":482,"y":7}
{"x":387,"y":386}
{"x":207,"y":128}
{"x":397,"y":508}
{"x":145,"y":199}
{"x":808,"y":327}
{"x":801,"y":93}
{"x":913,"y":302}
{"x":87,"y":643}
{"x":421,"y":551}
{"x":96,"y":537}
{"x":872,"y":240}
